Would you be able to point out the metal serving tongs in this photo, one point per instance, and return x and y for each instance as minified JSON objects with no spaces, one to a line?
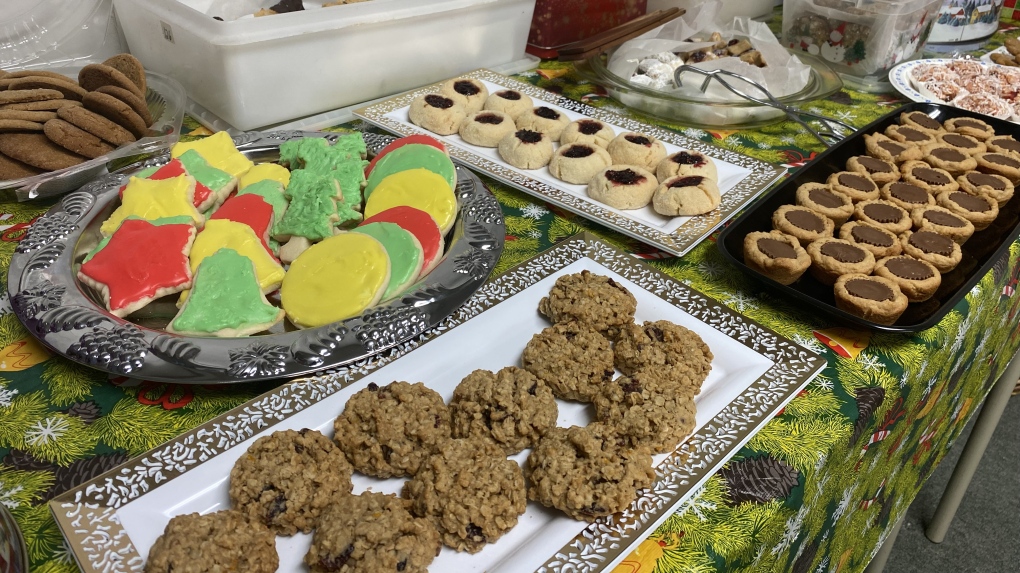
{"x":827,"y":137}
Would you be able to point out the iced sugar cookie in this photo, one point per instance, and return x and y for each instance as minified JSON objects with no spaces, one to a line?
{"x":422,"y":226}
{"x":220,"y":233}
{"x":313,"y":207}
{"x":272,"y":193}
{"x":262,"y":172}
{"x":404,"y":251}
{"x":352,"y":144}
{"x":397,"y":144}
{"x":335,"y":279}
{"x":250,"y":210}
{"x":203,"y":197}
{"x":351,"y":178}
{"x":412,"y":157}
{"x":150,"y":199}
{"x":221,"y":183}
{"x":140,"y":263}
{"x":226,"y":300}
{"x":418,"y":188}
{"x":179,"y":220}
{"x":219,"y":150}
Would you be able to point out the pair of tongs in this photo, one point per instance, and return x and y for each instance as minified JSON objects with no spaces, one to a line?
{"x":588,"y":47}
{"x":829,"y":136}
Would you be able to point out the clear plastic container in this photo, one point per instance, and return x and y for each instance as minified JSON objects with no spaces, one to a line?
{"x":253,"y":72}
{"x":37,"y":33}
{"x":862,"y":40}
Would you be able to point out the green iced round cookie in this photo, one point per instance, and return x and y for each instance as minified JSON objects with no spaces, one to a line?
{"x":412,"y":156}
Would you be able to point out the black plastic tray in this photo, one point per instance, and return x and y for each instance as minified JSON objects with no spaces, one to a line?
{"x":980,"y":252}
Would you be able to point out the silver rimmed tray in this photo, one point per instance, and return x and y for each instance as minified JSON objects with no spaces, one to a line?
{"x":70,"y":319}
{"x":741,"y":178}
{"x":111,"y":522}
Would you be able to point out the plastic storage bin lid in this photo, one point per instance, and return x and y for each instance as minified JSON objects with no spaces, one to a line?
{"x":46,"y":32}
{"x":875,"y":7}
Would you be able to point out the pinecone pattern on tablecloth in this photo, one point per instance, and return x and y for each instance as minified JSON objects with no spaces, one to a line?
{"x":87,"y":412}
{"x":759,"y":479}
{"x":868,"y":400}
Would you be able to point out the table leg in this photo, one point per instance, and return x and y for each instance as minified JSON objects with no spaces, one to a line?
{"x":878,"y":562}
{"x":972,"y":452}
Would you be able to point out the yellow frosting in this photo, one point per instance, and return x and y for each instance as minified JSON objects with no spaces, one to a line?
{"x":335,"y":279}
{"x":218,"y":150}
{"x":151,"y":199}
{"x":222,"y":233}
{"x":418,"y":188}
{"x":264,"y":171}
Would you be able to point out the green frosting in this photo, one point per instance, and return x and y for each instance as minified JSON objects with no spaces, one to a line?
{"x":299,"y":153}
{"x":272,"y":192}
{"x":353,"y":145}
{"x":145,"y":173}
{"x":225,"y":295}
{"x":312,"y":207}
{"x":351,"y":177}
{"x":179,"y":220}
{"x":404,"y":252}
{"x":197,"y":167}
{"x":342,"y":162}
{"x":412,"y":156}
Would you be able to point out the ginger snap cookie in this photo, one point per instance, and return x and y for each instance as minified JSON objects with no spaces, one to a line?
{"x":75,"y":140}
{"x":571,"y":358}
{"x":662,"y":343}
{"x":288,"y":479}
{"x":595,"y":300}
{"x":511,"y":407}
{"x":131,"y":68}
{"x":37,"y":150}
{"x":219,"y":541}
{"x":137,"y":104}
{"x":776,"y":255}
{"x":96,"y":125}
{"x":19,"y":126}
{"x":33,"y":116}
{"x":95,"y":76}
{"x":650,"y":408}
{"x":470,"y":491}
{"x":372,"y":533}
{"x":389,"y":431}
{"x":13,"y":169}
{"x":116,"y":111}
{"x":42,"y":105}
{"x":66,"y":86}
{"x":587,"y":472}
{"x":29,"y":95}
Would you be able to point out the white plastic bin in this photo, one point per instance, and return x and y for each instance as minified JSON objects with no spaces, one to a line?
{"x":254,"y":72}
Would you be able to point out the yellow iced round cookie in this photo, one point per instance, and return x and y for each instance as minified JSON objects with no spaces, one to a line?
{"x":263,"y":171}
{"x":335,"y":279}
{"x":418,"y":188}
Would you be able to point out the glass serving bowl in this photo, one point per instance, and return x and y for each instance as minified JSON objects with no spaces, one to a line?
{"x":706,"y":113}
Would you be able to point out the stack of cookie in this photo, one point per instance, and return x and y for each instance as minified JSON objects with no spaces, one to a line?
{"x":49,"y":121}
{"x":884,"y":232}
{"x":626,"y":171}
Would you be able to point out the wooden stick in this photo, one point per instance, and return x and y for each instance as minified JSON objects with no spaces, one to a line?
{"x":613,"y":37}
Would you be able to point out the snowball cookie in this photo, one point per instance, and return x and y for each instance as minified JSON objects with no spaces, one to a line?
{"x":623,"y":186}
{"x":510,"y":102}
{"x":578,"y":162}
{"x":687,"y":195}
{"x":486,"y":128}
{"x":526,"y":149}
{"x":634,"y":148}
{"x":587,"y":131}
{"x":468,"y":92}
{"x":436,"y":113}
{"x":544,"y":119}
{"x":686,"y":163}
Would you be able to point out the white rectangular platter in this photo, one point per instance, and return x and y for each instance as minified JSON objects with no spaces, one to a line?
{"x":741,"y":178}
{"x":112,"y":521}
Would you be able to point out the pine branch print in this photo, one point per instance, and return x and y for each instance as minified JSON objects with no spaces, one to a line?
{"x":134,"y":427}
{"x":69,"y":381}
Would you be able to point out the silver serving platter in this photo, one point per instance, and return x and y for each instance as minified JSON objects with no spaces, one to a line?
{"x":69,"y":318}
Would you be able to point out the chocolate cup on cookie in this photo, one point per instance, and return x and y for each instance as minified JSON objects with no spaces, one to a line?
{"x":577,"y":163}
{"x":879,"y":241}
{"x":980,"y":210}
{"x":929,"y":178}
{"x":995,"y":186}
{"x":468,"y":92}
{"x":1004,"y":144}
{"x":970,"y":126}
{"x":965,"y":143}
{"x":920,"y":120}
{"x":881,"y":147}
{"x":633,"y":148}
{"x":1007,"y":166}
{"x":931,"y":247}
{"x":917,"y":279}
{"x":832,"y":258}
{"x":686,"y":163}
{"x":877,"y":299}
{"x":909,"y":135}
{"x":854,"y":185}
{"x":437,"y":113}
{"x":587,"y":130}
{"x":544,"y":119}
{"x":879,"y":170}
{"x":803,"y":223}
{"x":623,"y":186}
{"x":884,"y":215}
{"x":820,"y":198}
{"x":942,"y":221}
{"x":906,"y":195}
{"x":949,"y":159}
{"x":776,"y":255}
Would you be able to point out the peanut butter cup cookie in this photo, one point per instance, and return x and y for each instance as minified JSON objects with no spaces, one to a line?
{"x":1007,"y":166}
{"x":920,"y":120}
{"x":879,"y":170}
{"x":1004,"y":144}
{"x":802,"y":223}
{"x":571,"y":358}
{"x":929,"y":178}
{"x":942,"y":252}
{"x":980,"y":210}
{"x":511,"y":407}
{"x":906,"y":195}
{"x":854,"y":185}
{"x":219,"y":541}
{"x":286,"y":480}
{"x":909,"y":135}
{"x":832,"y":258}
{"x":470,"y":491}
{"x":884,"y":215}
{"x":876,"y":299}
{"x":942,"y":221}
{"x":949,"y":159}
{"x":662,"y":343}
{"x":388,"y":431}
{"x":776,"y":255}
{"x":917,"y":279}
{"x":995,"y":186}
{"x":820,"y":198}
{"x":881,"y":147}
{"x":651,"y":408}
{"x":964,"y":143}
{"x":595,"y":300}
{"x":879,"y":241}
{"x":970,"y":126}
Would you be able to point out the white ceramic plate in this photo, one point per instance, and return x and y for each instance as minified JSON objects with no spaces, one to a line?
{"x":741,"y":178}
{"x":900,"y":76}
{"x":112,"y":521}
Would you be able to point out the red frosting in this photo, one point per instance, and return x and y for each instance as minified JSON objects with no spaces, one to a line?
{"x":203,"y":195}
{"x":420,"y":139}
{"x":418,"y":223}
{"x":140,"y":259}
{"x":251,"y":210}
